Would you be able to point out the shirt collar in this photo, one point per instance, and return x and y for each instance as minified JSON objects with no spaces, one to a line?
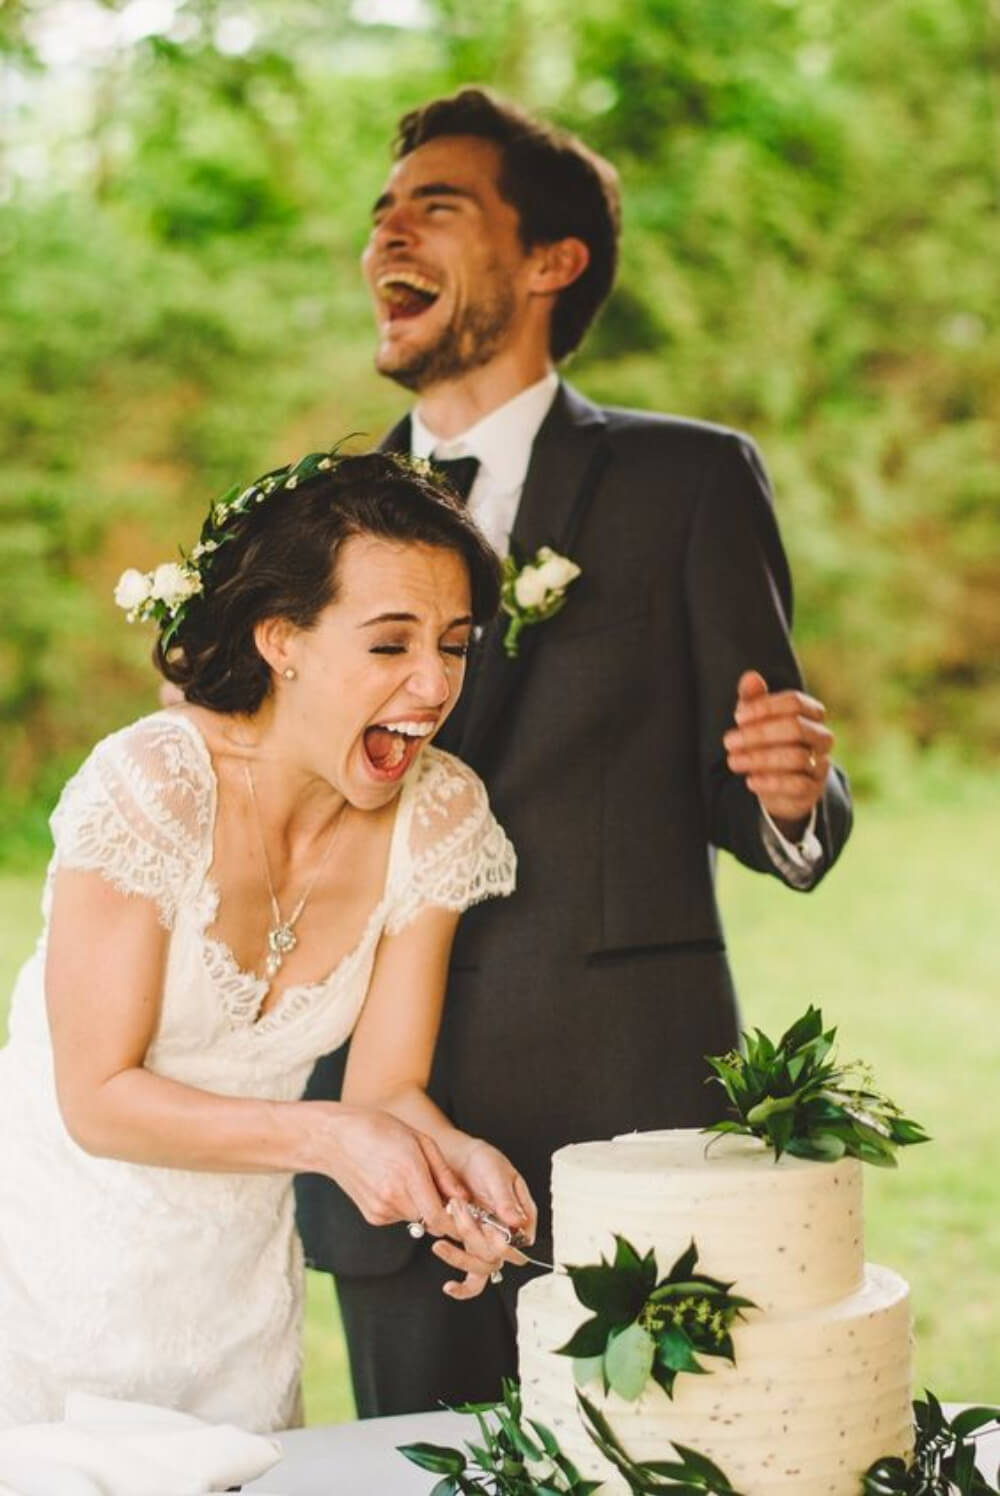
{"x":501,"y":440}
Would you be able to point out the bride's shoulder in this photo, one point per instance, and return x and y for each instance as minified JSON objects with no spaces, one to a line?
{"x":159,"y":761}
{"x":448,"y":789}
{"x":165,"y":747}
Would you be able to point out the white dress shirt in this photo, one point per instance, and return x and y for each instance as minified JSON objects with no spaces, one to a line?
{"x":502,"y":441}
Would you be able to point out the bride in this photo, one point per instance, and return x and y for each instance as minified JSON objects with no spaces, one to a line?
{"x":237,"y":885}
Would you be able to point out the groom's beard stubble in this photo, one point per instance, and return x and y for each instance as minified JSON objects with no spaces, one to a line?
{"x":467,"y":343}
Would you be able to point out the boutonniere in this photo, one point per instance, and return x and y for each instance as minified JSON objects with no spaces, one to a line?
{"x":534,"y":591}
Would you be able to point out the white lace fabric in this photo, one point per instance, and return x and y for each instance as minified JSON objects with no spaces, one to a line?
{"x":164,"y":1285}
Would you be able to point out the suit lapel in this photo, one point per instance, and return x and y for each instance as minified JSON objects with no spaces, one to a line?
{"x":398,"y":439}
{"x":567,"y":459}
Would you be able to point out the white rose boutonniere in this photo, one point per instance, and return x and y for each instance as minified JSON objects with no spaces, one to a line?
{"x":534,"y":592}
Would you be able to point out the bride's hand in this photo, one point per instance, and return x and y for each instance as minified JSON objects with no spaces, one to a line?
{"x":492,"y":1181}
{"x":391,"y":1171}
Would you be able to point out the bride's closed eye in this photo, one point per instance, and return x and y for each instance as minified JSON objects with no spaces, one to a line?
{"x":458,"y":651}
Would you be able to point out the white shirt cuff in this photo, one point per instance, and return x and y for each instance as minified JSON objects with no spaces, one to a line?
{"x":797,"y":860}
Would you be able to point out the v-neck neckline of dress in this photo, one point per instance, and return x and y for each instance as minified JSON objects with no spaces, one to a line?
{"x":297,"y":995}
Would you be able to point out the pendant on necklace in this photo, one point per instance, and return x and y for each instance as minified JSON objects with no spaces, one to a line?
{"x":280,"y":940}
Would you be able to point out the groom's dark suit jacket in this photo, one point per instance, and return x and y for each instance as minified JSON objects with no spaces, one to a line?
{"x":583,"y":1005}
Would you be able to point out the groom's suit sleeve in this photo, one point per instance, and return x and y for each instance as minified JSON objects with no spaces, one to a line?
{"x":739,"y":601}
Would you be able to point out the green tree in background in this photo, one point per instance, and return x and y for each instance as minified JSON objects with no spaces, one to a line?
{"x":811,"y":245}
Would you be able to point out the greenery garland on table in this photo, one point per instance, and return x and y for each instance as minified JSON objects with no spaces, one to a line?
{"x":798,"y":1099}
{"x":644,"y":1329}
{"x":519,"y":1457}
{"x":944,"y":1459}
{"x":514,"y":1457}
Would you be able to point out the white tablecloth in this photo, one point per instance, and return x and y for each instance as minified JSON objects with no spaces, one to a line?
{"x":361,"y":1459}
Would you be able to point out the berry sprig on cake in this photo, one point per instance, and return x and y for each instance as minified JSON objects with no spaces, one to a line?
{"x":797,"y":1098}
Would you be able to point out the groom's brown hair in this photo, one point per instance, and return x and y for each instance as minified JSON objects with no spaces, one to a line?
{"x":559,"y":187}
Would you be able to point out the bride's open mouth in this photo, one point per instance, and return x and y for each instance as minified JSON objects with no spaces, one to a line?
{"x":391,"y":747}
{"x":406,"y":293}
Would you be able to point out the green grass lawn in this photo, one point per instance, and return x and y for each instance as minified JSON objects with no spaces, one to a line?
{"x":899,"y":949}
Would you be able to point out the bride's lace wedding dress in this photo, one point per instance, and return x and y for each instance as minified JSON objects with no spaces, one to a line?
{"x":157,"y":1284}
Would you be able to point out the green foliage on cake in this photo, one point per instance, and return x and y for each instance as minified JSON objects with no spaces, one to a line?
{"x":944,"y":1457}
{"x":797,"y":1098}
{"x":643,"y":1328}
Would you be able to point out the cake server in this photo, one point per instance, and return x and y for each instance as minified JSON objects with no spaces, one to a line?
{"x":515,"y":1239}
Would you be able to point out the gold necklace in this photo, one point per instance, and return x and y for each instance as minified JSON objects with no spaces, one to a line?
{"x":281,"y":937}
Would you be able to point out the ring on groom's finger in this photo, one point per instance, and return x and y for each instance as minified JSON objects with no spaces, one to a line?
{"x":496,"y":1276}
{"x":417,"y":1229}
{"x":811,"y":761}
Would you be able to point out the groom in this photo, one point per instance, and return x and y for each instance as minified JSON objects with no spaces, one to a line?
{"x":659,"y":715}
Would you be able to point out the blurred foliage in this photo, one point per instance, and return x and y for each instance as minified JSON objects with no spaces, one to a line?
{"x":811,"y":245}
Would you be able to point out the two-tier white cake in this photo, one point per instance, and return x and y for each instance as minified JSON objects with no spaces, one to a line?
{"x":821,"y":1385}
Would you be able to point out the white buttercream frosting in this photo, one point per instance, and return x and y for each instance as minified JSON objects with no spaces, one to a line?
{"x":821,"y":1385}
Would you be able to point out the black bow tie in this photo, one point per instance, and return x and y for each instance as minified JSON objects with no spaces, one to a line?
{"x":458,"y":472}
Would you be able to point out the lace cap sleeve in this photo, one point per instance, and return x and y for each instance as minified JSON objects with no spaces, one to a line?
{"x":139,"y":811}
{"x":455,"y":852}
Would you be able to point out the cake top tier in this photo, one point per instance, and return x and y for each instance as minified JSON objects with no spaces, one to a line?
{"x":789,"y":1233}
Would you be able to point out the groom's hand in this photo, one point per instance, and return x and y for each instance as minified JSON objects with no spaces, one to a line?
{"x":781,"y":747}
{"x":494,"y":1183}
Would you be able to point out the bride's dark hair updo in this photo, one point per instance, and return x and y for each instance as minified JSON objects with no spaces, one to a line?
{"x":278,"y":559}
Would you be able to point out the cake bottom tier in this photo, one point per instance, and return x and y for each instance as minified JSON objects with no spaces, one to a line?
{"x":813,"y":1399}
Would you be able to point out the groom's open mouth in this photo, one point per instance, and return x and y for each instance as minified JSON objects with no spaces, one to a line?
{"x":391,"y":747}
{"x":406,"y":293}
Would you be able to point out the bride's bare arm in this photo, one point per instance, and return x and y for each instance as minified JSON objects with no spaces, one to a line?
{"x":104,"y":977}
{"x":389,"y":1065}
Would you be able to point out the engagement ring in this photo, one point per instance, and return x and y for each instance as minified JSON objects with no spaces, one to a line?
{"x":417,"y":1229}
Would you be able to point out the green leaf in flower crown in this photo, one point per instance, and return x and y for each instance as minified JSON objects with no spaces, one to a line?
{"x":628,"y":1361}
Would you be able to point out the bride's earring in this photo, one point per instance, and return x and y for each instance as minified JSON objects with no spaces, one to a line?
{"x":289,"y":672}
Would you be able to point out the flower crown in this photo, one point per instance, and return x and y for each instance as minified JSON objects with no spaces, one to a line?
{"x":164,"y":593}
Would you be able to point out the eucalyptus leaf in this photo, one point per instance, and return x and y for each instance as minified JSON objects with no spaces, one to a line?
{"x":628,"y":1361}
{"x":588,"y":1369}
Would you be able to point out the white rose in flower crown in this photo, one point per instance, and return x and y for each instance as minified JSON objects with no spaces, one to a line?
{"x":133,"y":589}
{"x":556,"y":571}
{"x":174,"y":584}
